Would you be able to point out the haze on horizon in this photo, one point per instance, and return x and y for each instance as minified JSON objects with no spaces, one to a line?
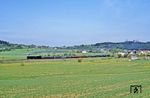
{"x":73,"y":22}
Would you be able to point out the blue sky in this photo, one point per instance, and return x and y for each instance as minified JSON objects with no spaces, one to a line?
{"x":73,"y":22}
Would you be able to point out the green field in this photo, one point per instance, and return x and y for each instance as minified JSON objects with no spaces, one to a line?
{"x":91,"y":78}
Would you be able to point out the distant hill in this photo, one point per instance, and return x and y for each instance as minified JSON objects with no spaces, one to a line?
{"x":4,"y":42}
{"x":6,"y":46}
{"x":127,"y":45}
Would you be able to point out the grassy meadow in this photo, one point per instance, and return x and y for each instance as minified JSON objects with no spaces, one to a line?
{"x":91,"y":78}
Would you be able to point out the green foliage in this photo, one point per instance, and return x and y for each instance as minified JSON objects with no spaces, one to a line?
{"x":79,"y":60}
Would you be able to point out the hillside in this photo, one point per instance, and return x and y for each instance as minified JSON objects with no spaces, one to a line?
{"x":7,"y":46}
{"x":127,"y":45}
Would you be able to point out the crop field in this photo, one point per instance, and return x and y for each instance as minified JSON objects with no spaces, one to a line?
{"x":90,"y":78}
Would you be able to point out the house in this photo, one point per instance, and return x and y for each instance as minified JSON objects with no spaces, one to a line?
{"x":84,"y":51}
{"x":133,"y":56}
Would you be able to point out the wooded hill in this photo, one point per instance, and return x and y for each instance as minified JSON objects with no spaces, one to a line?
{"x":6,"y":46}
{"x":127,"y":45}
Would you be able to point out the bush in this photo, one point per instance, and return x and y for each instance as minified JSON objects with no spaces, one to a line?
{"x":22,"y":64}
{"x":79,"y":60}
{"x":119,"y":55}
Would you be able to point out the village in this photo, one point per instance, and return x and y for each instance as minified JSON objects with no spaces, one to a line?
{"x":134,"y":54}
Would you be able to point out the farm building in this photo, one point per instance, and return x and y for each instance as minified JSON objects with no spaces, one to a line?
{"x":133,"y":56}
{"x":84,"y":51}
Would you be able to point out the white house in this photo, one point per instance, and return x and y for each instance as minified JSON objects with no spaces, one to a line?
{"x":133,"y":56}
{"x":84,"y":51}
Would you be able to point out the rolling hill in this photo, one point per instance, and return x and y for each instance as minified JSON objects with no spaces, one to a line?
{"x":127,"y":45}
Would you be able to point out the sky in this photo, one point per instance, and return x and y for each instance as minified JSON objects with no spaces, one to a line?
{"x":74,"y":22}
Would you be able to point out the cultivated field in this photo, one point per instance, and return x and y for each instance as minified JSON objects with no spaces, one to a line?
{"x":91,"y":78}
